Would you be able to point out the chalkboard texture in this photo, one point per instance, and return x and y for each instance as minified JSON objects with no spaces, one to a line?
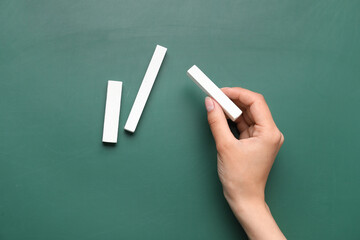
{"x":59,"y":181}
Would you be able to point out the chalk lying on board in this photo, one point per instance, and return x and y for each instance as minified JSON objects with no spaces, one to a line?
{"x":213,"y":91}
{"x":145,"y":88}
{"x":112,"y":111}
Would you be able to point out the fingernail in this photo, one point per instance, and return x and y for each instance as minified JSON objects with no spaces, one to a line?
{"x":209,"y":104}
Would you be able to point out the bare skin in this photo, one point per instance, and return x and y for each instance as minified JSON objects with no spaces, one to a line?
{"x":244,"y":164}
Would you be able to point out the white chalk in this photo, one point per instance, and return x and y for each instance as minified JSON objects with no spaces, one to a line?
{"x":112,"y":111}
{"x":213,"y":91}
{"x":145,"y":88}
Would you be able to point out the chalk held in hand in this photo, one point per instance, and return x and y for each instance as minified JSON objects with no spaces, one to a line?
{"x":231,"y":110}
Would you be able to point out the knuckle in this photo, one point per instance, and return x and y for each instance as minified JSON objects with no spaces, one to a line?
{"x":282,"y":139}
{"x":276,"y":138}
{"x":212,"y":121}
{"x":260,"y":97}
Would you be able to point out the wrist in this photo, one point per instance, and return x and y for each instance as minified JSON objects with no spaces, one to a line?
{"x":246,"y":207}
{"x":241,"y":201}
{"x":255,"y":217}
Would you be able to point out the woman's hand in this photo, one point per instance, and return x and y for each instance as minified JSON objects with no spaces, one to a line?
{"x":244,"y":164}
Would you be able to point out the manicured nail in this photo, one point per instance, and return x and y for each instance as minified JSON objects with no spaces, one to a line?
{"x":209,"y":104}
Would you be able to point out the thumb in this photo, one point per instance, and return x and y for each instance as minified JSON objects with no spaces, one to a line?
{"x":217,"y":121}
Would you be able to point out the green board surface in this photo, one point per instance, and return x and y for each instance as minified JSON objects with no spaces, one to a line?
{"x":57,"y":179}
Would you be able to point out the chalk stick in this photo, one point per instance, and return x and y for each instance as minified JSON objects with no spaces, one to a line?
{"x":145,"y":88}
{"x":112,"y":111}
{"x":213,"y":91}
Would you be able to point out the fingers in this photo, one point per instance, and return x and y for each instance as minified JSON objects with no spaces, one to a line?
{"x":217,"y":121}
{"x":254,"y":104}
{"x":241,"y":124}
{"x":246,"y":115}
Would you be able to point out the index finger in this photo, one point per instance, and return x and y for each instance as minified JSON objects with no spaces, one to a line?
{"x":252,"y":101}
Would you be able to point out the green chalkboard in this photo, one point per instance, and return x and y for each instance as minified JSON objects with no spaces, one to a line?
{"x":57,"y":179}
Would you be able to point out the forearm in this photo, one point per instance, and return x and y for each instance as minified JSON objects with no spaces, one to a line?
{"x":256,"y":219}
